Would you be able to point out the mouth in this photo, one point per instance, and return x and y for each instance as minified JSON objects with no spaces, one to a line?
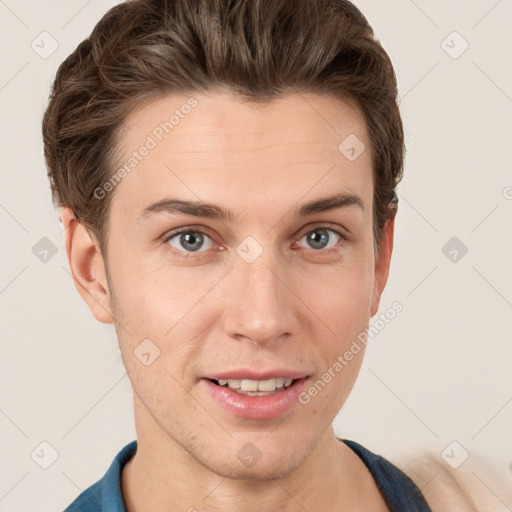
{"x":251,"y":387}
{"x":255,"y":398}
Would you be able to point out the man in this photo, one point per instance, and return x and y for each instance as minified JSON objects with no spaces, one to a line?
{"x":226,"y":172}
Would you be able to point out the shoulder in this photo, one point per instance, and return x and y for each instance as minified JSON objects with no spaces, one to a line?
{"x":106,"y":493}
{"x":88,"y":501}
{"x":398,"y":490}
{"x":477,"y":485}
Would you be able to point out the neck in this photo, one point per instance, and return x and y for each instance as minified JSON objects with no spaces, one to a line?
{"x":163,"y":475}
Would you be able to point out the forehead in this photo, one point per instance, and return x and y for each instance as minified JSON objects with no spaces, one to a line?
{"x":228,"y":121}
{"x":217,"y":148}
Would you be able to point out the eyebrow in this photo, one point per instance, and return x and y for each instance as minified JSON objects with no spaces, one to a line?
{"x":212,"y":211}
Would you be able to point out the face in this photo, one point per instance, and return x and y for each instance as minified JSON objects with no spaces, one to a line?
{"x":226,"y":262}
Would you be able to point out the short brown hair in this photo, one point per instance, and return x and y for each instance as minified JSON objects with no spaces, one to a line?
{"x":258,"y":49}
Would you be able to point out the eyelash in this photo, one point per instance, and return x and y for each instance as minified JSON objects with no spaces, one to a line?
{"x":204,"y":231}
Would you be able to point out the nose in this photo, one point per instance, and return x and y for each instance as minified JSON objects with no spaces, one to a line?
{"x":259,"y":303}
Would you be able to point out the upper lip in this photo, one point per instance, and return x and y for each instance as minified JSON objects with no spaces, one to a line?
{"x":249,"y":374}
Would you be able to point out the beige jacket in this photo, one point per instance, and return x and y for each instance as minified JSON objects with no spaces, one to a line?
{"x":475,"y":486}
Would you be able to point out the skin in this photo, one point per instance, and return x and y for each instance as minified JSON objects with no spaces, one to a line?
{"x":296,"y":306}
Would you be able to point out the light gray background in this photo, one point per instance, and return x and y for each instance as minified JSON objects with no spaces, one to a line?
{"x":438,"y":373}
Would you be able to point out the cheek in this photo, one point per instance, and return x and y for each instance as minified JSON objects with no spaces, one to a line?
{"x":158,"y":294}
{"x":166,"y":304}
{"x":342,"y":297}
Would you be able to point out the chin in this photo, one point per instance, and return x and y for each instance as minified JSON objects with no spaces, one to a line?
{"x":249,"y":459}
{"x":264,"y":469}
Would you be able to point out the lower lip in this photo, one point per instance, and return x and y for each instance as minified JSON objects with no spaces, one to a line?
{"x":257,"y":407}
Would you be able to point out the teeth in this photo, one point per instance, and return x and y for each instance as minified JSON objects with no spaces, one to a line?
{"x":262,"y":385}
{"x":234,"y":383}
{"x":251,"y":385}
{"x":247,"y":386}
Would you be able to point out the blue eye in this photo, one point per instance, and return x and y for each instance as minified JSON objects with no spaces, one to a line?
{"x":319,"y":238}
{"x":190,"y":241}
{"x":186,"y":241}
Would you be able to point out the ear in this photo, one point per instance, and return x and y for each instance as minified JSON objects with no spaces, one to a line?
{"x":87,"y":267}
{"x":382,"y":262}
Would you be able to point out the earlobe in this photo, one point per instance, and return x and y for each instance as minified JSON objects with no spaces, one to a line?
{"x":382,"y":263}
{"x":87,"y":267}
